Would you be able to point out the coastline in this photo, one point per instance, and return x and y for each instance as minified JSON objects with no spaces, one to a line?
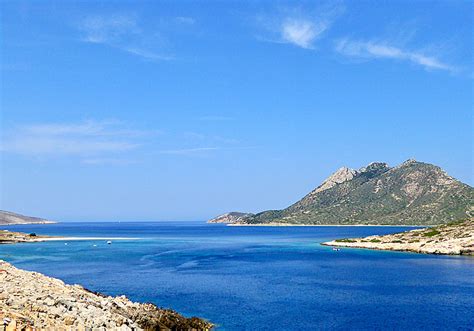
{"x":11,"y":237}
{"x":326,"y":225}
{"x":31,"y":300}
{"x":455,"y":238}
{"x":83,"y":238}
{"x":28,"y":223}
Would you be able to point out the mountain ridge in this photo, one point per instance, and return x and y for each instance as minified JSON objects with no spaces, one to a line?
{"x":412,"y":193}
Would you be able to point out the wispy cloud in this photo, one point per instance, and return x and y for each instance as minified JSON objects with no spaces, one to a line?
{"x":88,"y":138}
{"x":119,"y":31}
{"x":297,"y":26}
{"x":380,"y":50}
{"x":301,"y":32}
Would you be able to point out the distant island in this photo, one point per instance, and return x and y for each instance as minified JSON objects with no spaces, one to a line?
{"x":455,"y":238}
{"x":412,"y":193}
{"x":9,"y":218}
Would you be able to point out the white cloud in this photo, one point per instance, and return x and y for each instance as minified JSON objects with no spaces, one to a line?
{"x":302,"y":32}
{"x":73,"y":139}
{"x":121,"y":32}
{"x":368,"y":49}
{"x":298,"y":26}
{"x":103,"y":30}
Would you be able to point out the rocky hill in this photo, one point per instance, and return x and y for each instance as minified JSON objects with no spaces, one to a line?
{"x":230,"y":218}
{"x":413,"y":193}
{"x":455,"y":238}
{"x":7,"y":218}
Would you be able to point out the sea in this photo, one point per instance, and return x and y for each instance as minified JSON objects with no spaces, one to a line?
{"x":258,"y":278}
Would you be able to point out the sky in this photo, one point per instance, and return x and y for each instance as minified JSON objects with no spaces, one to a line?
{"x":165,"y":110}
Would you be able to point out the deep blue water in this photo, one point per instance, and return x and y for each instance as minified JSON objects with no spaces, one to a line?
{"x":260,"y":278}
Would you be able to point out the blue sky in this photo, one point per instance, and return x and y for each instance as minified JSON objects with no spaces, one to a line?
{"x":170,"y":110}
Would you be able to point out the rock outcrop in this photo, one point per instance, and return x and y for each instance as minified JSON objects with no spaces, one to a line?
{"x":10,"y":237}
{"x":230,"y":218}
{"x":456,"y":238}
{"x":340,"y":176}
{"x":32,"y":301}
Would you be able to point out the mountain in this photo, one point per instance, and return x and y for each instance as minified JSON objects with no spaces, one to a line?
{"x":411,"y":193}
{"x":7,"y":218}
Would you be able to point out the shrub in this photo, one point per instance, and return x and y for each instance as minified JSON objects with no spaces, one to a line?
{"x":431,"y":233}
{"x":346,"y":240}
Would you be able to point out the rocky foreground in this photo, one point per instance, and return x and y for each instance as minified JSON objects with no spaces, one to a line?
{"x":32,"y":301}
{"x":456,"y":238}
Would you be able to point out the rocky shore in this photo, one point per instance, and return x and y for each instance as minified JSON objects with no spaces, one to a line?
{"x":456,"y":238}
{"x":10,"y":237}
{"x":32,"y":301}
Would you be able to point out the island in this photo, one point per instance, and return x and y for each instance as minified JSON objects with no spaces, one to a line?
{"x":411,"y":193}
{"x":455,"y":238}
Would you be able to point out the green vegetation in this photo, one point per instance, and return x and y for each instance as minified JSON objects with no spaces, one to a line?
{"x":375,"y":240}
{"x":431,"y":233}
{"x":346,"y":240}
{"x":397,"y":241}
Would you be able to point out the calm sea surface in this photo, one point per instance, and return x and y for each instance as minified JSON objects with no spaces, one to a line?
{"x":259,"y":278}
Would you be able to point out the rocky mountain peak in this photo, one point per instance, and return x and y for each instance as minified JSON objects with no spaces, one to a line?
{"x":408,"y":162}
{"x":375,"y":167}
{"x":342,"y":175}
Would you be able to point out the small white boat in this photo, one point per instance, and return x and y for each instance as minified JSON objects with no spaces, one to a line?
{"x":109,"y":242}
{"x":336,"y":249}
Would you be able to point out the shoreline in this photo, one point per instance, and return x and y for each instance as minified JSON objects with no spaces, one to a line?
{"x":327,"y":225}
{"x":30,"y":300}
{"x":13,"y":237}
{"x":29,"y":223}
{"x":82,"y":238}
{"x":455,"y":238}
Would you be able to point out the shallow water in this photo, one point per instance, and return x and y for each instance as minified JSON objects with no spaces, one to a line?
{"x":259,"y":278}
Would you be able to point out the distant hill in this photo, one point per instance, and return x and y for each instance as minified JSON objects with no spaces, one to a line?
{"x":7,"y":218}
{"x":232,"y":217}
{"x":412,"y":193}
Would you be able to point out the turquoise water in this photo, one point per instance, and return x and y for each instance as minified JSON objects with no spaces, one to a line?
{"x":259,"y":278}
